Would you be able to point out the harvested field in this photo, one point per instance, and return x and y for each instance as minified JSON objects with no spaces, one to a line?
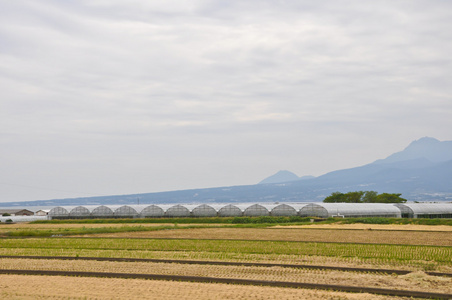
{"x":88,"y":225}
{"x":409,"y":227}
{"x":416,"y":282}
{"x":296,"y":234}
{"x":333,"y":261}
{"x":39,"y":287}
{"x":381,"y":247}
{"x":230,"y":248}
{"x":385,"y":252}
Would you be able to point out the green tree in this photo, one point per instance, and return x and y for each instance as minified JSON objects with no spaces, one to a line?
{"x":364,"y":197}
{"x":390,"y":198}
{"x":354,"y":197}
{"x":370,"y":197}
{"x":335,"y":197}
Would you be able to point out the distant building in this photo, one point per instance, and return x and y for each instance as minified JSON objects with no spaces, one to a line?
{"x":16,"y":212}
{"x":42,"y":212}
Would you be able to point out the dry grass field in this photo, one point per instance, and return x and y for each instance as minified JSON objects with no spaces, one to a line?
{"x":437,"y":238}
{"x":373,"y":227}
{"x":19,"y":287}
{"x":382,"y":246}
{"x":418,"y":281}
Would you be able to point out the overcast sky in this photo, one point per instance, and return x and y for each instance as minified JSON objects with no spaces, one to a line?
{"x":111,"y":97}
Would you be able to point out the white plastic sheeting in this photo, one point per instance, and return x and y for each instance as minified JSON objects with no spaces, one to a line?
{"x":350,"y":210}
{"x":230,"y":211}
{"x":426,"y":210}
{"x":323,"y":210}
{"x":23,"y":218}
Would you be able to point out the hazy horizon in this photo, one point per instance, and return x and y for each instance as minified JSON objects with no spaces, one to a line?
{"x":109,"y":98}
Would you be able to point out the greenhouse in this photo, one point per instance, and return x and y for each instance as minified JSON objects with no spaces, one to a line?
{"x":425,"y":210}
{"x":126,"y":211}
{"x":102,"y":211}
{"x":204,"y":210}
{"x":287,"y":210}
{"x":230,"y":211}
{"x":152,"y":211}
{"x":256,"y":210}
{"x":80,"y":212}
{"x":60,"y":212}
{"x":321,"y":210}
{"x":350,"y":210}
{"x":177,"y":211}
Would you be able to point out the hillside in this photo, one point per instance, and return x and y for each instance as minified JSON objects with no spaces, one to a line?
{"x":422,"y":172}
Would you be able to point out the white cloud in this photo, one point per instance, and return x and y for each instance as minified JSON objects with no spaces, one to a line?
{"x":233,"y":90}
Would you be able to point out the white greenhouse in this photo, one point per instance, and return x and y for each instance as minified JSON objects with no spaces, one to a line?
{"x":322,"y":210}
{"x":425,"y":210}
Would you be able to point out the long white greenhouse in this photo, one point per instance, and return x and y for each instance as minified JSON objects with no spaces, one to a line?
{"x":322,"y":210}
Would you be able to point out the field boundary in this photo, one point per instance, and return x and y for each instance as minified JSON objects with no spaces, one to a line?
{"x":225,"y":263}
{"x":343,"y":288}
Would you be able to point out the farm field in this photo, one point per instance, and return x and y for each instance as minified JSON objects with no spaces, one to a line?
{"x":417,"y":281}
{"x":39,"y":287}
{"x":372,"y":227}
{"x":417,"y":251}
{"x":438,"y":238}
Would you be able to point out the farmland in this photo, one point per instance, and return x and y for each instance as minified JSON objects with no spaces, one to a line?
{"x":208,"y":248}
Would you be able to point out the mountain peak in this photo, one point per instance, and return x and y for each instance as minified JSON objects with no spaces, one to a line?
{"x":281,"y":176}
{"x":424,"y":142}
{"x":425,"y":148}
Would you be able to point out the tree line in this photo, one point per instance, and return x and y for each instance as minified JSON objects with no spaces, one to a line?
{"x":364,"y":197}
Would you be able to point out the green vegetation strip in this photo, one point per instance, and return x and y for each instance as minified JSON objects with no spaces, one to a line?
{"x":343,"y":288}
{"x":375,"y":251}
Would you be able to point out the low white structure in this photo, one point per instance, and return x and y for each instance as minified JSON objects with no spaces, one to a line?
{"x":42,"y":212}
{"x":322,"y":210}
{"x":425,"y":210}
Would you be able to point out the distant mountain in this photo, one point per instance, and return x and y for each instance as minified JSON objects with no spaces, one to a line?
{"x":426,"y":147}
{"x":281,"y":176}
{"x":422,"y":172}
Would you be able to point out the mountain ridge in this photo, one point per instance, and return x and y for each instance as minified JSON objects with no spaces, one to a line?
{"x":411,"y":172}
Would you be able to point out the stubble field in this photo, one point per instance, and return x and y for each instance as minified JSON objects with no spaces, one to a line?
{"x":416,"y":251}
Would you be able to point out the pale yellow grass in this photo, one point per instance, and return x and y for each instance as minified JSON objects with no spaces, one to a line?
{"x":419,"y":281}
{"x":297,"y":234}
{"x":410,"y":227}
{"x":57,"y":287}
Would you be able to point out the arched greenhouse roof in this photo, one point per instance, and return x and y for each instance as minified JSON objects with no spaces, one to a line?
{"x":80,"y":211}
{"x":60,"y":211}
{"x":152,"y":211}
{"x":256,"y":210}
{"x":204,"y":210}
{"x":313,"y":210}
{"x":178,"y":211}
{"x":283,"y":210}
{"x":126,"y":210}
{"x":103,"y":210}
{"x":427,"y":208}
{"x":230,"y":210}
{"x":361,"y":209}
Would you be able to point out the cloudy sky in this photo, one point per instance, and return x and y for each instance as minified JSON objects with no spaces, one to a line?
{"x":116,"y":97}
